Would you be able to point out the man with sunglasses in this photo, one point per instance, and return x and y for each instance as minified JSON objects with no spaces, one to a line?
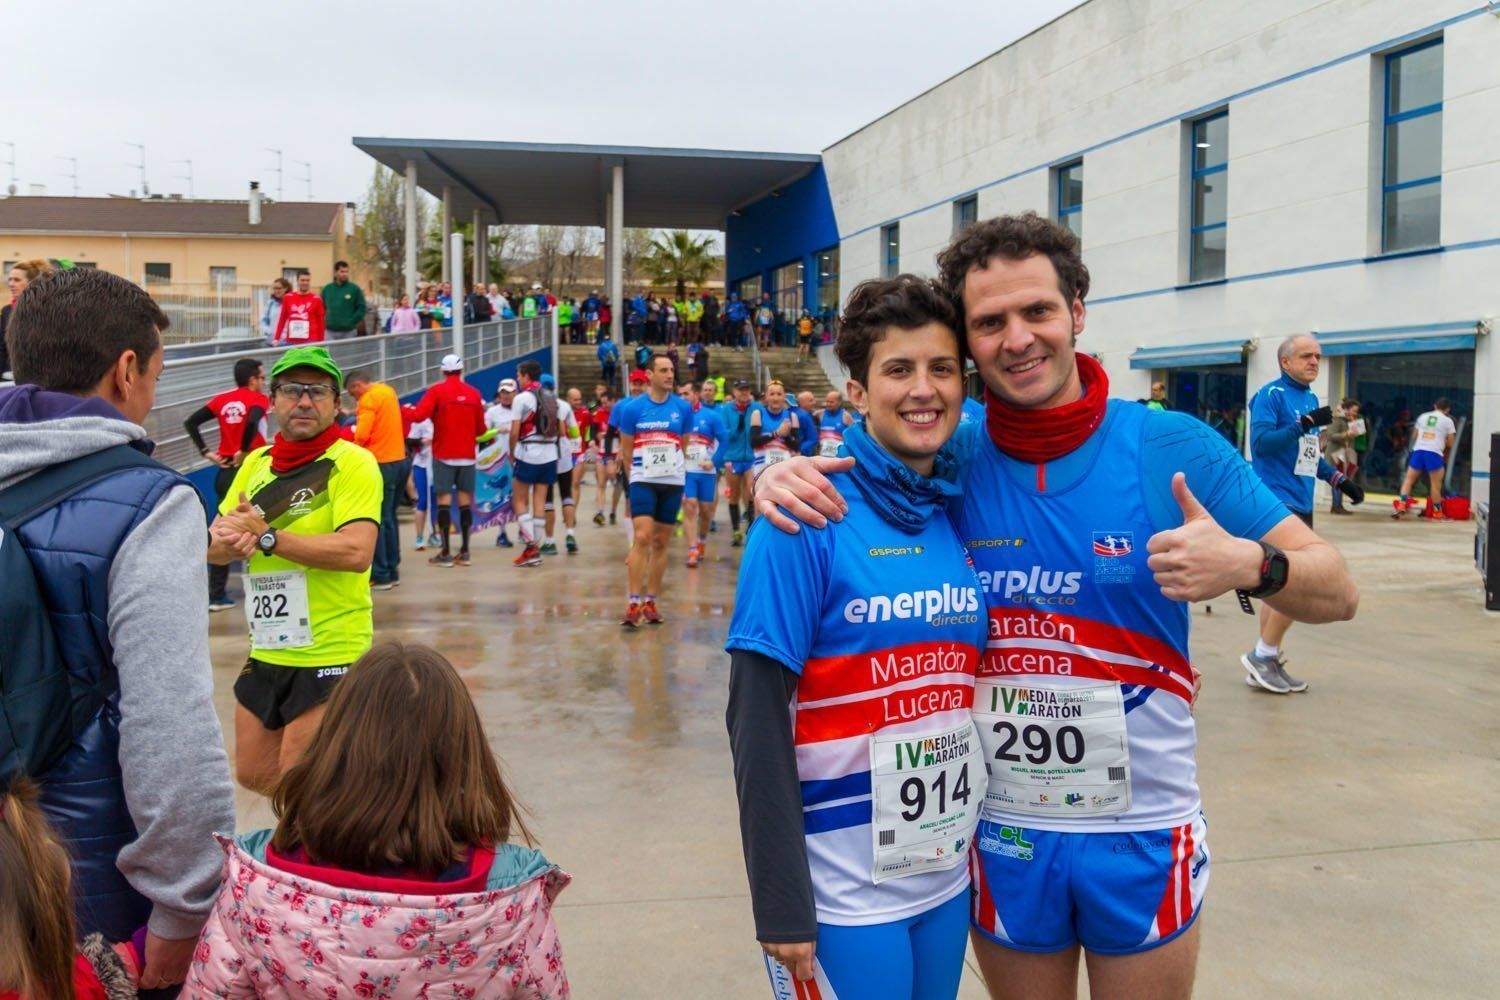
{"x":305,"y":512}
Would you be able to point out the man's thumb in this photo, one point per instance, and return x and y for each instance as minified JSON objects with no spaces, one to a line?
{"x":1191,"y":508}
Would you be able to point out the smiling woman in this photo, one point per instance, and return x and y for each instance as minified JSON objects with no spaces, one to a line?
{"x":856,"y":865}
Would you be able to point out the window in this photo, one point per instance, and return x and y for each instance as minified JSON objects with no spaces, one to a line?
{"x":890,"y":242}
{"x":157,"y":274}
{"x":1070,"y":197}
{"x":1210,"y":198}
{"x":787,"y":281}
{"x":828,"y":284}
{"x":1413,"y":169}
{"x":222,"y":277}
{"x":749,"y":289}
{"x":965,"y":213}
{"x":290,"y":274}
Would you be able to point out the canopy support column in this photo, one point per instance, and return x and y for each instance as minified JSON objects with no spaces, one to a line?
{"x":479,"y":242}
{"x":448,"y":268}
{"x":409,"y":197}
{"x":613,"y":235}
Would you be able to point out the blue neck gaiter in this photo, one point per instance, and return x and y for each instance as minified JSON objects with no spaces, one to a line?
{"x":905,"y":499}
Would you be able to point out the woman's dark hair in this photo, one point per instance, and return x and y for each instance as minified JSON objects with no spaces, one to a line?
{"x":399,"y":772}
{"x":875,"y":307}
{"x":70,"y":327}
{"x":36,"y":910}
{"x":1014,"y":237}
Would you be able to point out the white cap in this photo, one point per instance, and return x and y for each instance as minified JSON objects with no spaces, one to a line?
{"x":507,"y":385}
{"x":452,"y":363}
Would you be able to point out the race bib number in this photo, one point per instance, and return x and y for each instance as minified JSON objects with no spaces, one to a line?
{"x":297,"y":329}
{"x":1307,"y":455}
{"x":662,"y":458}
{"x":828,"y":447}
{"x":276,"y":608}
{"x":699,"y":457}
{"x":771,"y":453}
{"x":1054,"y":751}
{"x":926,"y":793}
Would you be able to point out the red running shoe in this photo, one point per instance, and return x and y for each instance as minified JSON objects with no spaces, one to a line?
{"x":632,"y":617}
{"x":530,"y":556}
{"x":650,"y":614}
{"x":694,"y":554}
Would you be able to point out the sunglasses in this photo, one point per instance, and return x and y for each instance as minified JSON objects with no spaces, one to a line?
{"x":292,"y":391}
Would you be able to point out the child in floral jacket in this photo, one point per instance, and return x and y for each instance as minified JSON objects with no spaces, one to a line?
{"x":390,"y":873}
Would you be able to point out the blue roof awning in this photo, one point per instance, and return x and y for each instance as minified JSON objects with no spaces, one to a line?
{"x":1455,"y":336}
{"x":1218,"y":352}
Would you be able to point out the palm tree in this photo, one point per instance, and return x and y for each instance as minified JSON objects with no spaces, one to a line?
{"x":681,"y":259}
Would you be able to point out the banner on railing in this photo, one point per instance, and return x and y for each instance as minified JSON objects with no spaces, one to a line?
{"x":492,"y":483}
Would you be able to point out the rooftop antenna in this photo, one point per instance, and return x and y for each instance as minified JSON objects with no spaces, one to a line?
{"x":14,"y":187}
{"x":145,"y":188}
{"x":187,"y":176}
{"x":74,"y":175}
{"x":307,"y":176}
{"x":278,"y":170}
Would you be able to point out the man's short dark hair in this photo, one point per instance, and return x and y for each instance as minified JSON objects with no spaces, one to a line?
{"x":340,"y":263}
{"x":529,"y":370}
{"x":904,"y":302}
{"x":302,"y":270}
{"x":246,"y":369}
{"x":651,"y":365}
{"x":70,"y":327}
{"x":1441,"y":403}
{"x":1015,"y":237}
{"x":358,"y":375}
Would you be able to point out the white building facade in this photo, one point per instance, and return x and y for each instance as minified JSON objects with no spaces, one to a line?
{"x":1239,"y":173}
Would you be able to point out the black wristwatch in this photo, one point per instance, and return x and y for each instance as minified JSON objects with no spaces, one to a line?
{"x":267,"y":541}
{"x":1273,"y":575}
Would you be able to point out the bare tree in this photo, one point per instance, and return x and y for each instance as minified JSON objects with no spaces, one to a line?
{"x":635,"y":247}
{"x":578,"y":243}
{"x":548,"y":257}
{"x":379,"y":241}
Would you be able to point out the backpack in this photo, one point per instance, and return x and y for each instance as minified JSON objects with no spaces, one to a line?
{"x":545,"y":422}
{"x":42,"y":706}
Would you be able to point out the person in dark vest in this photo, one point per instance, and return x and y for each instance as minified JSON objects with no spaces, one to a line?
{"x":119,"y":565}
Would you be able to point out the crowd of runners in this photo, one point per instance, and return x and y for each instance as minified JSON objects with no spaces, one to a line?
{"x":970,"y":719}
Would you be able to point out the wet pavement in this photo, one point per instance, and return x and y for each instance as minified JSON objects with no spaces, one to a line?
{"x":1354,"y":830}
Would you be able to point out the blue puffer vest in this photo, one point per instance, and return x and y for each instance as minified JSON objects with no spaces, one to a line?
{"x":72,"y":546}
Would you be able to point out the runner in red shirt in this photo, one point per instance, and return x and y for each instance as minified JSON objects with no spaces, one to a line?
{"x":456,"y":410}
{"x":241,"y":415}
{"x":605,"y":446}
{"x":301,"y":320}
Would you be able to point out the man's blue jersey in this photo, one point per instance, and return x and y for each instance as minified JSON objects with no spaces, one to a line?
{"x":1085,"y":690}
{"x":884,"y":630}
{"x":656,"y":448}
{"x":736,"y":431}
{"x":808,"y":443}
{"x":774,"y":449}
{"x":705,"y":438}
{"x":972,"y":412}
{"x":617,"y":412}
{"x":830,"y":432}
{"x":1276,"y":439}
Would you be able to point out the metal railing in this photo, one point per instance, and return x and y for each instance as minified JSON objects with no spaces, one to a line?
{"x":407,"y":362}
{"x":209,"y":311}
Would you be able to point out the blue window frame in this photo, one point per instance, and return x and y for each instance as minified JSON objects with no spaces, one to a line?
{"x":1070,"y":196}
{"x":965,"y":213}
{"x":1411,"y":194}
{"x":890,"y":241}
{"x":1209,"y":227}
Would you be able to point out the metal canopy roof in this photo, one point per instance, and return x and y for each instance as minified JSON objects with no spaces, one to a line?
{"x":529,"y":183}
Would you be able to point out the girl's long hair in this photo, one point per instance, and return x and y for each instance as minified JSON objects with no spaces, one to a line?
{"x":36,"y":904}
{"x":399,"y":772}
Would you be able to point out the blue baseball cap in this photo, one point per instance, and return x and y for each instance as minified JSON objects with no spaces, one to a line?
{"x":548,"y":382}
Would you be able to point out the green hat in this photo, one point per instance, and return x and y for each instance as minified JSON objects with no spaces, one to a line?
{"x":309,"y":357}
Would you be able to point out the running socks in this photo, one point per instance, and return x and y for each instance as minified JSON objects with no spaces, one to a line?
{"x":445,"y":525}
{"x":465,"y":525}
{"x":734,"y":516}
{"x":1267,"y":652}
{"x":523,"y":528}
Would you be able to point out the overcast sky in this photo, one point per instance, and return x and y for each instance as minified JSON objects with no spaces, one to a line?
{"x":218,"y":82}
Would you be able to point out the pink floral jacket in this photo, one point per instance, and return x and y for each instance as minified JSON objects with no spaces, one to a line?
{"x":273,"y":934}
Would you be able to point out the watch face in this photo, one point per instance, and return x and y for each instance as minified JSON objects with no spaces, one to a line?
{"x":267,"y":540}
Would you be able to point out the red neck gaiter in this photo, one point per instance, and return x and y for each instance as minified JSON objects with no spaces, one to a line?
{"x":288,"y":456}
{"x":1039,"y":436}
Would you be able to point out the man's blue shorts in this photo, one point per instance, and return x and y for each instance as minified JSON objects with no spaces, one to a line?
{"x":536,"y":473}
{"x":658,"y":501}
{"x":1425,"y":461}
{"x":419,"y":481}
{"x":740,"y":468}
{"x":701,"y":486}
{"x":1114,"y":893}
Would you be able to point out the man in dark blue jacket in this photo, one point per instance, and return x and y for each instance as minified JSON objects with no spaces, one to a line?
{"x":119,"y":565}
